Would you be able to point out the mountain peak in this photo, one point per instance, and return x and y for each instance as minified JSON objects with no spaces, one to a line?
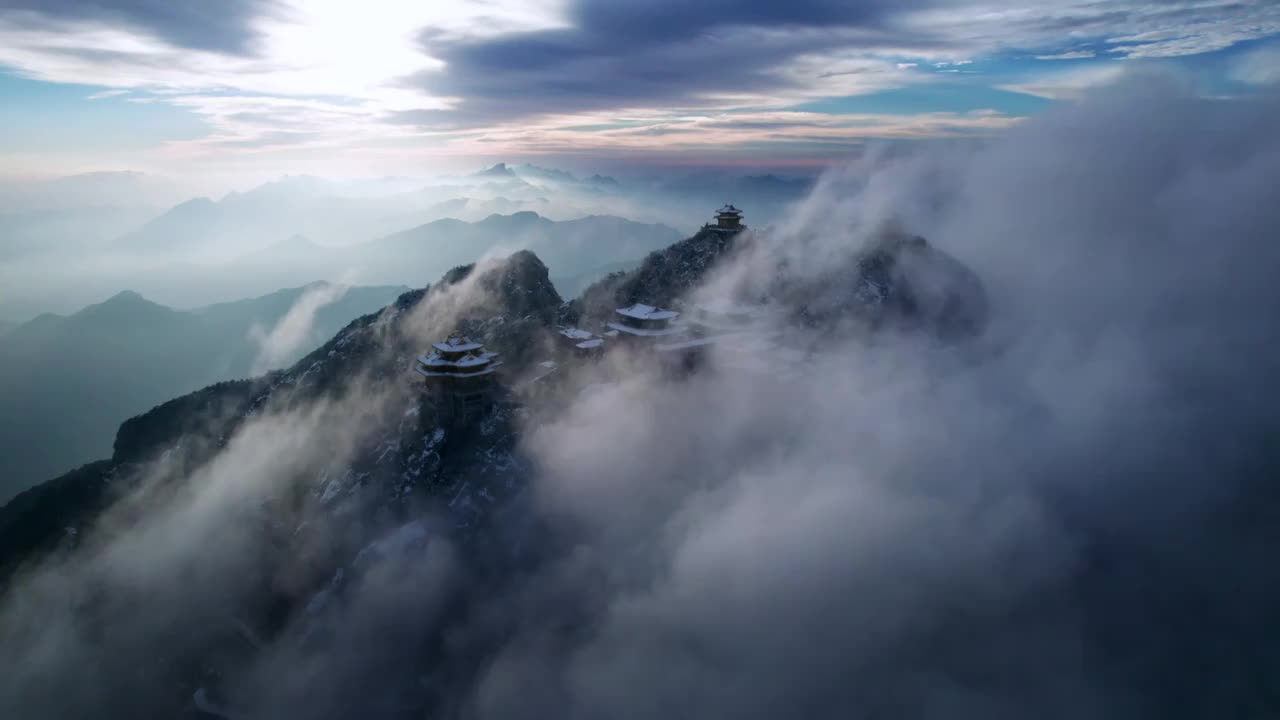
{"x":520,"y":217}
{"x":497,"y":170}
{"x":543,"y":173}
{"x":126,"y":305}
{"x":126,"y":296}
{"x":193,"y":203}
{"x":519,"y":283}
{"x":126,"y":299}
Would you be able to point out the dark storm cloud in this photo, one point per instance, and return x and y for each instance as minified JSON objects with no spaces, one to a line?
{"x":619,"y":54}
{"x":663,"y":53}
{"x":224,"y":26}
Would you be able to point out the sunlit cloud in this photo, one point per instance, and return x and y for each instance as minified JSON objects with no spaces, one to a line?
{"x":1066,"y":85}
{"x":1258,"y":67}
{"x":322,"y":75}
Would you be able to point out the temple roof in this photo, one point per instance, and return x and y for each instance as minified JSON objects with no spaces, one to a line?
{"x":458,"y":355}
{"x":617,"y":328}
{"x":728,"y":210}
{"x":646,"y":312}
{"x":574,"y":333}
{"x":466,"y":361}
{"x":457,"y":343}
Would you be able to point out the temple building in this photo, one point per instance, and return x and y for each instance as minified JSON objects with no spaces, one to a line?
{"x":728,"y":219}
{"x":579,"y":342}
{"x":644,"y":322}
{"x":460,"y":379}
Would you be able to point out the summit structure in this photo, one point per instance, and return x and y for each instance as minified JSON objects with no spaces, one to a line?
{"x":644,"y":322}
{"x":728,"y":219}
{"x":459,"y":375}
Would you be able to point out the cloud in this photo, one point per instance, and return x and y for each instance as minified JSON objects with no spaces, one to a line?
{"x":209,"y":511}
{"x":1066,"y":84}
{"x":1049,"y":525}
{"x":106,"y":94}
{"x":1139,"y":28}
{"x":227,"y":27}
{"x":1258,"y":67}
{"x":791,"y":131}
{"x":427,"y":76}
{"x":1073,"y":55}
{"x":630,"y":55}
{"x":295,"y":330}
{"x":1198,"y":35}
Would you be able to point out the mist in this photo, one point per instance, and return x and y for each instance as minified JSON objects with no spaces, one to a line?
{"x":82,"y":239}
{"x":1054,"y":522}
{"x":295,"y":331}
{"x":1068,"y":516}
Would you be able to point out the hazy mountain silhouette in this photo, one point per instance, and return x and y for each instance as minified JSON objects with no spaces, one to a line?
{"x":412,"y":257}
{"x":66,"y":382}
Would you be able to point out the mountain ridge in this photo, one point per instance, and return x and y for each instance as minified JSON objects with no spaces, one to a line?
{"x":67,"y":381}
{"x":408,"y":469}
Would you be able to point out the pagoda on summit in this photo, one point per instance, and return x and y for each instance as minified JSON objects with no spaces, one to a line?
{"x":728,"y":219}
{"x":459,"y":375}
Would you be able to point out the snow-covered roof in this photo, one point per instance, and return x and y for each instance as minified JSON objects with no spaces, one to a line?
{"x":590,"y":344}
{"x":574,"y":333}
{"x":648,"y":332}
{"x":466,"y":361}
{"x":728,"y":210}
{"x":457,"y":344}
{"x":640,"y":311}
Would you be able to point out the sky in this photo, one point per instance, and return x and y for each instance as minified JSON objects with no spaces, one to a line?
{"x":259,"y":88}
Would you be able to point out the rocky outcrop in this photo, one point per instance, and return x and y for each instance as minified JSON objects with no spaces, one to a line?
{"x":896,"y":281}
{"x":664,"y":276}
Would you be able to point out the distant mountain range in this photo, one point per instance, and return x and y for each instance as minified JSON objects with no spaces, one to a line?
{"x":414,"y":256}
{"x":69,"y":242}
{"x":573,"y":285}
{"x":66,"y":382}
{"x":571,"y":246}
